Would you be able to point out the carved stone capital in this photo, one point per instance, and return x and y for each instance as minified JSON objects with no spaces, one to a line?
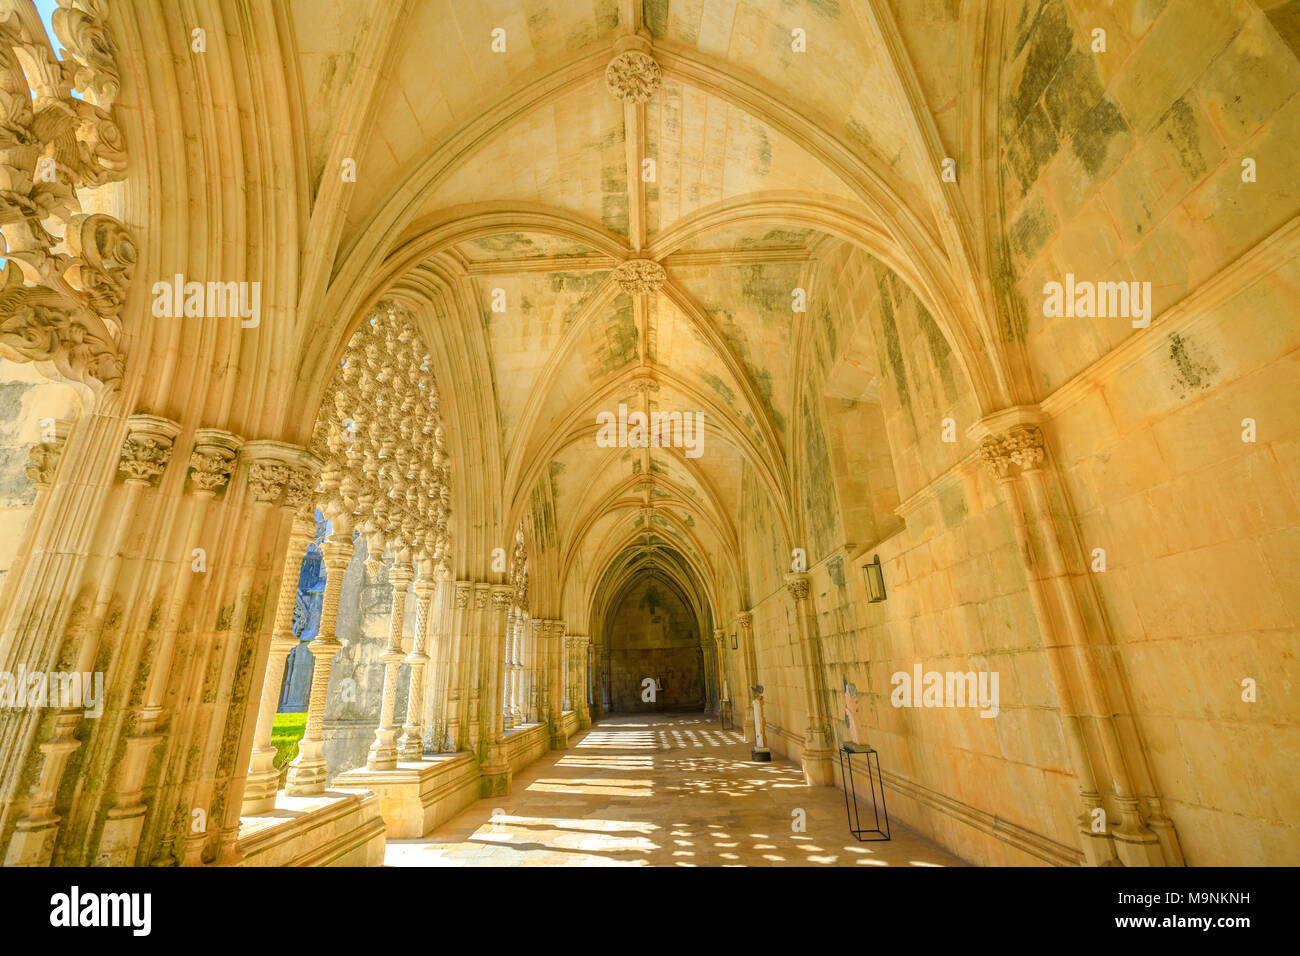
{"x":281,"y":474}
{"x":797,"y":585}
{"x":1021,"y":446}
{"x":147,"y":448}
{"x":463,"y":589}
{"x":44,"y":455}
{"x":300,"y":490}
{"x":745,"y":619}
{"x":501,"y":597}
{"x":639,"y":275}
{"x":633,"y":76}
{"x":267,"y":480}
{"x":1026,"y":447}
{"x":213,"y":459}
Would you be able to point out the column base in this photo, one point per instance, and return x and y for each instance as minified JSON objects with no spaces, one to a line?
{"x":1098,"y":848}
{"x":761,"y":755}
{"x":307,"y":772}
{"x":32,"y":843}
{"x":383,"y":752}
{"x":410,"y":746}
{"x":120,"y":837}
{"x":262,"y":783}
{"x":559,"y":740}
{"x":1138,"y":848}
{"x":495,"y":782}
{"x":817,"y":768}
{"x":584,"y":722}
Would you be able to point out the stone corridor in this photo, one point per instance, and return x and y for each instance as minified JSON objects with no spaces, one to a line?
{"x":394,"y":391}
{"x":659,"y":790}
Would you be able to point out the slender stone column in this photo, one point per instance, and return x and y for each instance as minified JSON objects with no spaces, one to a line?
{"x":712,"y":689}
{"x":461,"y":611}
{"x":532,"y":658}
{"x":554,"y":634}
{"x":495,"y":768}
{"x":307,"y":772}
{"x":439,"y":642}
{"x":383,"y":751}
{"x":474,"y":673}
{"x":263,"y":779}
{"x":816,"y":757}
{"x":518,"y":630}
{"x":411,"y":744}
{"x":597,"y":684}
{"x":720,"y":661}
{"x":580,"y":694}
{"x":507,"y":696}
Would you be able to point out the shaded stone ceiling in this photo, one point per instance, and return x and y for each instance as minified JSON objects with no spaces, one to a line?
{"x":518,"y":176}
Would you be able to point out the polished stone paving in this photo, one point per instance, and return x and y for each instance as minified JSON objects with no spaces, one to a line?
{"x":660,"y":790}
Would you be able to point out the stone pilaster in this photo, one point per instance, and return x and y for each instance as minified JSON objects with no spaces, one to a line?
{"x":1017,"y":458}
{"x":817,"y":752}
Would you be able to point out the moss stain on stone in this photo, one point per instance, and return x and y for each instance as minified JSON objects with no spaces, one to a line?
{"x":893,"y":346}
{"x":1092,"y":139}
{"x":1178,"y":126}
{"x":1191,"y":372}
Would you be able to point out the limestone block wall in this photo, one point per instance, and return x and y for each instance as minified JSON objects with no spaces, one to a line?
{"x":1199,"y":533}
{"x":1125,"y":166}
{"x":1196,"y":523}
{"x":1128,"y":165}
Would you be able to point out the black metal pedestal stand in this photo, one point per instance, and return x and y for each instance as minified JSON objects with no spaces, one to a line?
{"x":878,"y":809}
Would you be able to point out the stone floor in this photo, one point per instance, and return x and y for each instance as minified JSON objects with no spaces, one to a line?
{"x":659,"y":790}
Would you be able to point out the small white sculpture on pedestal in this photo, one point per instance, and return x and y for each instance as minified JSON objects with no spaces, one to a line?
{"x":851,"y":710}
{"x":761,"y":753}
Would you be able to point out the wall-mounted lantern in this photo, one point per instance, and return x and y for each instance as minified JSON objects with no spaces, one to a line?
{"x":733,"y":640}
{"x":875,"y":581}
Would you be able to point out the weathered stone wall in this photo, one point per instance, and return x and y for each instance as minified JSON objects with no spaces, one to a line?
{"x":1197,"y":525}
{"x":1120,"y":166}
